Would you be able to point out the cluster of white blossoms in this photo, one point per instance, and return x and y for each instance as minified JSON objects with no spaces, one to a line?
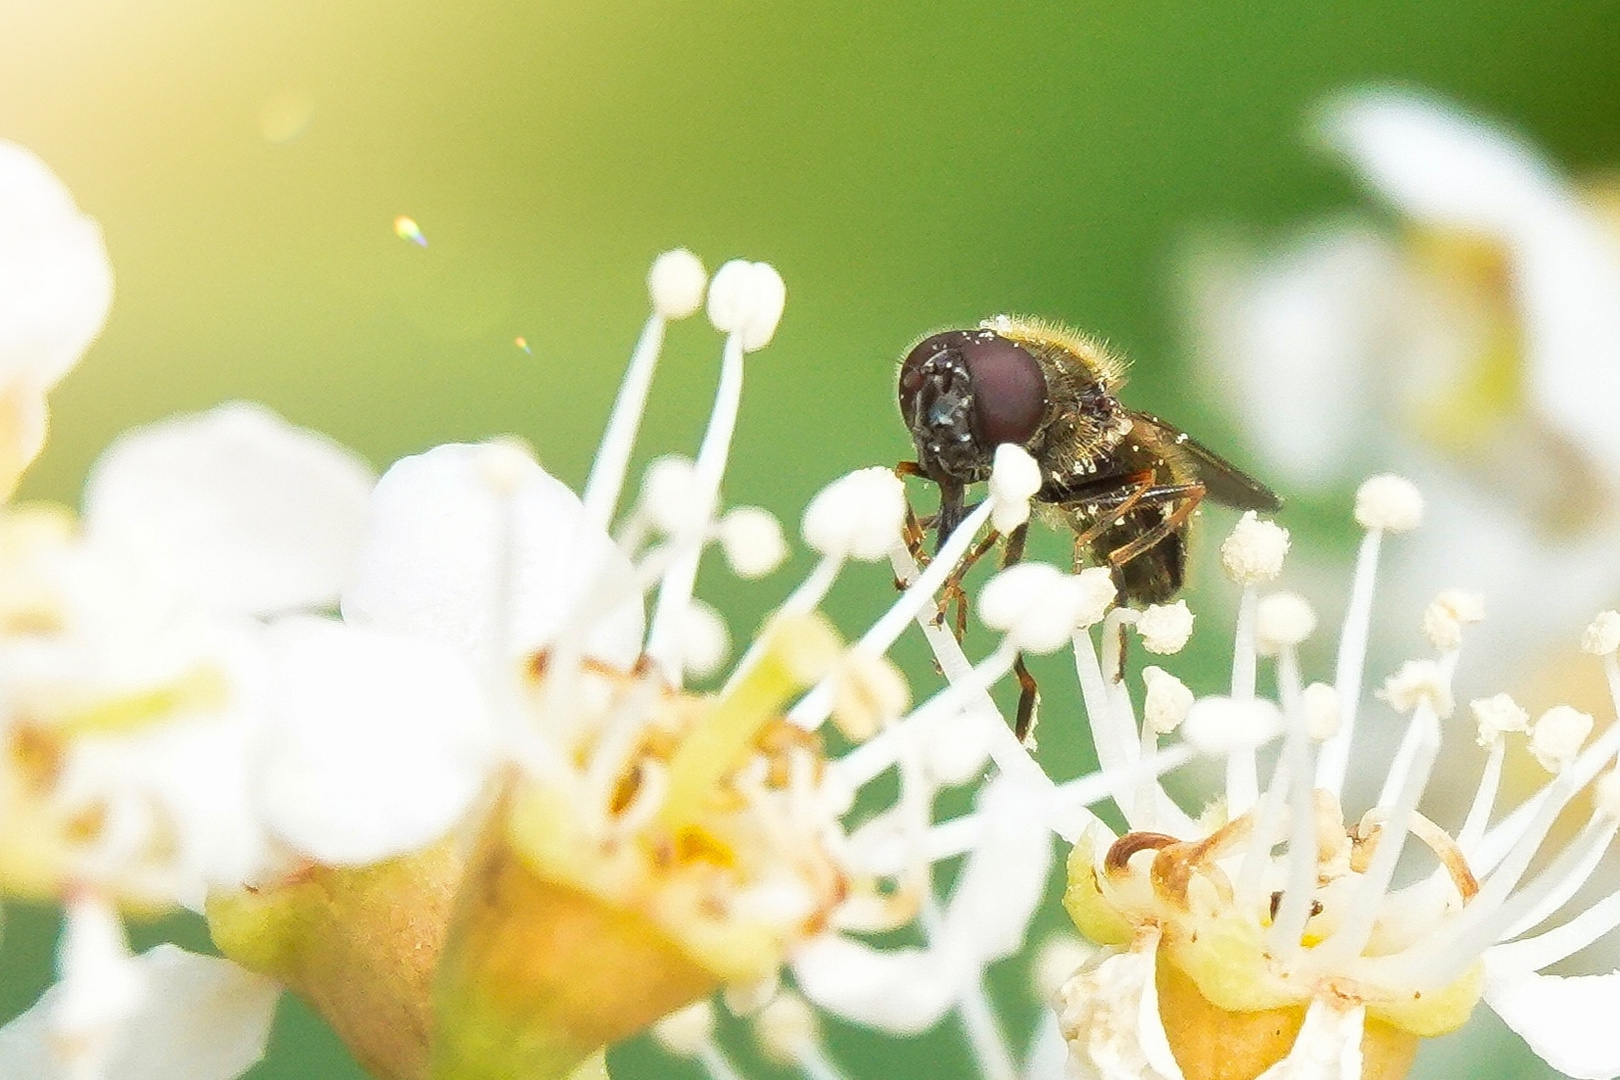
{"x":418,"y":750}
{"x":474,"y":817}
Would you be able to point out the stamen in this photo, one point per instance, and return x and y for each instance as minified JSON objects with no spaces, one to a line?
{"x":1383,"y":504}
{"x":1288,"y":925}
{"x":1447,"y":614}
{"x":1333,"y":761}
{"x":1495,"y":716}
{"x":745,"y":301}
{"x":799,"y":650}
{"x":790,"y":1036}
{"x":1419,"y":682}
{"x":676,"y":283}
{"x":1602,"y":638}
{"x":1461,"y":939}
{"x":816,"y":706}
{"x":752,"y":540}
{"x":1502,"y":838}
{"x":1364,"y":905}
{"x":1114,"y":738}
{"x":1165,"y":628}
{"x":1554,"y":886}
{"x":1014,"y":480}
{"x":868,"y":761}
{"x":1557,"y":736}
{"x":1544,"y":950}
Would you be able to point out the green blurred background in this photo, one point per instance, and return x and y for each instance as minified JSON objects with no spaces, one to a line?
{"x":905,"y":166}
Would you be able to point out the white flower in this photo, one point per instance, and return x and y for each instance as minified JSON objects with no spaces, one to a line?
{"x":200,"y":1017}
{"x":1472,"y":351}
{"x":55,"y":289}
{"x":1214,"y":939}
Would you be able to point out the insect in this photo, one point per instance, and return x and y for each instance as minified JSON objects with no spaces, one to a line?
{"x":1124,"y":482}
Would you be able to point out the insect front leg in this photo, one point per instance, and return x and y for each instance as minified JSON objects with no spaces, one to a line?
{"x":1029,"y":694}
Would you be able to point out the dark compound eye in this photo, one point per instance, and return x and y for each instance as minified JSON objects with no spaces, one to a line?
{"x":1009,"y":391}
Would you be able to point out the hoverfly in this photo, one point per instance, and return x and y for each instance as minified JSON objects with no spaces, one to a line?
{"x":1126,"y":483}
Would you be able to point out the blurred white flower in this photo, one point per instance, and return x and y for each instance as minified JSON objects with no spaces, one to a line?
{"x":1473,"y":350}
{"x":55,"y":289}
{"x":1225,"y":957}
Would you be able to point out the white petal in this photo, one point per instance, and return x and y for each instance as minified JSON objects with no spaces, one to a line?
{"x":1048,"y":1052}
{"x":1109,"y":1014}
{"x":203,"y":1018}
{"x":1440,"y":165}
{"x":904,"y":991}
{"x":1004,"y":878}
{"x":1328,"y":1046}
{"x":55,"y":280}
{"x":241,"y":510}
{"x":378,"y":744}
{"x":1296,"y":334}
{"x":433,"y":563}
{"x":1568,"y":1021}
{"x":1445,"y":168}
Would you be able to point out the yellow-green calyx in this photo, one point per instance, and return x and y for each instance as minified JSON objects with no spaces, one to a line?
{"x":360,"y":945}
{"x":1230,"y":1001}
{"x":687,"y":857}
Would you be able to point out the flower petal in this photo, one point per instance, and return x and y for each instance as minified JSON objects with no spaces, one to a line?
{"x":1109,"y":1014}
{"x":55,"y":280}
{"x":1328,"y":1046}
{"x":1292,"y":334}
{"x":1439,"y":164}
{"x":1005,"y":876}
{"x":202,"y":1018}
{"x":1443,"y":167}
{"x":434,"y":563}
{"x":378,"y":744}
{"x":240,"y":510}
{"x":904,"y":991}
{"x":1567,"y":1021}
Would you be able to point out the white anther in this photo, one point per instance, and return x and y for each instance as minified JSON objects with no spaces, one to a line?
{"x":752,"y":541}
{"x":1320,"y":704}
{"x":858,"y":516}
{"x":1603,"y":636}
{"x":1390,"y":503}
{"x":1165,"y":628}
{"x":1255,"y":550}
{"x":1496,"y":716}
{"x":1282,"y":620}
{"x":1224,"y":725}
{"x":671,"y":494}
{"x":1419,"y":680}
{"x":1014,"y":480}
{"x":1606,"y":795}
{"x":1098,"y":593}
{"x":1059,"y":957}
{"x":1447,"y":614}
{"x":705,"y":641}
{"x":1037,"y":606}
{"x":746,"y":299}
{"x":786,"y":1028}
{"x":868,"y":692}
{"x":676,"y":283}
{"x":688,"y":1031}
{"x":1557,"y":736}
{"x":1167,"y":701}
{"x":505,"y":464}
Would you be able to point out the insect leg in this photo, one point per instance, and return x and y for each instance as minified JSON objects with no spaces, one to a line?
{"x":1112,"y":506}
{"x":952,"y":589}
{"x":1029,"y":694}
{"x":1186,"y":496}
